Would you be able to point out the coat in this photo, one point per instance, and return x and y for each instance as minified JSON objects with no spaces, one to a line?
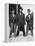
{"x":29,"y":21}
{"x":20,"y":19}
{"x":12,"y":19}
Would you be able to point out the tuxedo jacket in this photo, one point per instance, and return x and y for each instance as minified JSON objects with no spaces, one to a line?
{"x":20,"y":19}
{"x":29,"y":21}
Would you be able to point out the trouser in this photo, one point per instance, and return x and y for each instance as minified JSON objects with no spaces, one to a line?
{"x":13,"y":29}
{"x":21,"y":28}
{"x":29,"y":28}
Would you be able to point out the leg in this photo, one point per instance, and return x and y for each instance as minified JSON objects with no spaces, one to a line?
{"x":23,"y":31}
{"x":27,"y":28}
{"x":10,"y":33}
{"x":17,"y":32}
{"x":11,"y":30}
{"x":31,"y":31}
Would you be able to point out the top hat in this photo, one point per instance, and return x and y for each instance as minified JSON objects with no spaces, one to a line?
{"x":20,"y":7}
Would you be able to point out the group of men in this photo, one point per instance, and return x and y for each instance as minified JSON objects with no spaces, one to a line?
{"x":20,"y":21}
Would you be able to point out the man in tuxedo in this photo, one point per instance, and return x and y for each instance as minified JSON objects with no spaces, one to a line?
{"x":12,"y":21}
{"x":20,"y":22}
{"x":29,"y":20}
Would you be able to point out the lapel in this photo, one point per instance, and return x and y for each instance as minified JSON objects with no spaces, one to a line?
{"x":29,"y":16}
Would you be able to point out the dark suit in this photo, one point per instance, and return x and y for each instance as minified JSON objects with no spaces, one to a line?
{"x":11,"y":19}
{"x":12,"y":23}
{"x":29,"y":23}
{"x":20,"y":22}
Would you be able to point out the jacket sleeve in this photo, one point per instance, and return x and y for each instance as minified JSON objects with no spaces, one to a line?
{"x":16,"y":20}
{"x":24,"y":19}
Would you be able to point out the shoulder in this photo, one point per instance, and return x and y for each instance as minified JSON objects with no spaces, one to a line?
{"x":23,"y":14}
{"x":17,"y":14}
{"x":32,"y":14}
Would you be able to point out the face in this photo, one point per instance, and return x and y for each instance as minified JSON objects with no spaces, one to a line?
{"x":20,"y":11}
{"x":29,"y":11}
{"x":12,"y":11}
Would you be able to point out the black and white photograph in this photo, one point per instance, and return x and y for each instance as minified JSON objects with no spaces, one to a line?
{"x":20,"y":21}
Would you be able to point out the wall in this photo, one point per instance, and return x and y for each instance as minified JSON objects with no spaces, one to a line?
{"x":2,"y":22}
